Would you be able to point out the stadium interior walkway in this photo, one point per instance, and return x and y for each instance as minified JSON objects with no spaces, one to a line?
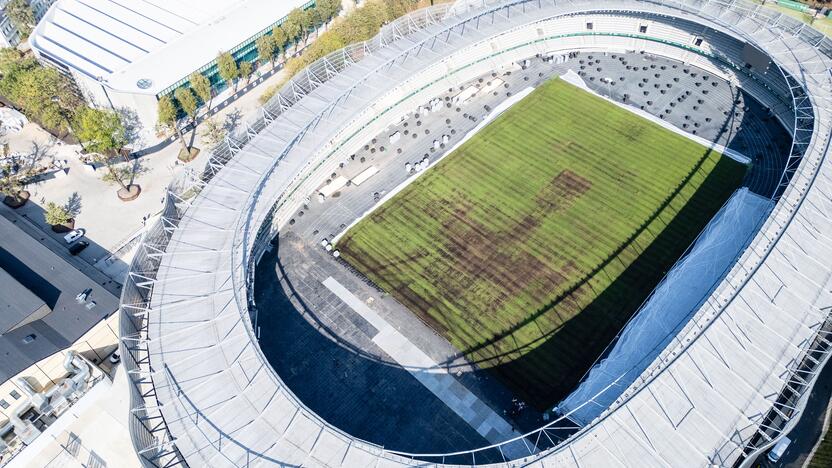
{"x":427,"y":371}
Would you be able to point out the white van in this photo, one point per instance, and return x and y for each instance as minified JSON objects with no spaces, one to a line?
{"x":779,"y":449}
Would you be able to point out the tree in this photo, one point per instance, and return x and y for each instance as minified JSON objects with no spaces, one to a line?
{"x":228,"y":67}
{"x":101,"y":130}
{"x":293,"y":24}
{"x":11,"y":179}
{"x":56,"y":214}
{"x":319,"y":17}
{"x":280,"y":38}
{"x":167,"y":115}
{"x":103,"y":135}
{"x":245,"y":70}
{"x":202,"y":88}
{"x":265,"y":48}
{"x":21,"y":16}
{"x":18,"y":168}
{"x":187,"y":100}
{"x":212,"y":132}
{"x":329,"y":8}
{"x":307,"y":21}
{"x":9,"y":57}
{"x":360,"y":24}
{"x":12,"y":188}
{"x":41,"y":93}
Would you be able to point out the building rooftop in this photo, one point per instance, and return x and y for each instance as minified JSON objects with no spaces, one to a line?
{"x":92,"y":432}
{"x":144,"y":46}
{"x":55,"y":282}
{"x":18,"y":305}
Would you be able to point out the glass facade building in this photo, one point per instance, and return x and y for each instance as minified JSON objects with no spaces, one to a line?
{"x":246,"y":51}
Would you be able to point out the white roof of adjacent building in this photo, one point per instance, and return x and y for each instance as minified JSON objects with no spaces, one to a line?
{"x":120,"y":42}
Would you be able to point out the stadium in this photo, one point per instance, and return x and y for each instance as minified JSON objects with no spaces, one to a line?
{"x":501,"y":233}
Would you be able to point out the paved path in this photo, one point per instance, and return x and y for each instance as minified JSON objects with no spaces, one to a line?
{"x":435,"y":378}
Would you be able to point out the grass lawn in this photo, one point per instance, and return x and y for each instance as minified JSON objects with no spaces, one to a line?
{"x":823,"y":456}
{"x":531,"y":245}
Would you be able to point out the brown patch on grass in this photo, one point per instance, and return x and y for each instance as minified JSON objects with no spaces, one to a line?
{"x":561,"y":191}
{"x":510,"y":271}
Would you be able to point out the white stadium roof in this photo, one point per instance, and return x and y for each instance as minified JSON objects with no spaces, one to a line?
{"x":120,"y":42}
{"x":714,"y":396}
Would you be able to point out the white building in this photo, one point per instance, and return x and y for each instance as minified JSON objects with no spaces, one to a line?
{"x":128,"y":54}
{"x":9,"y":35}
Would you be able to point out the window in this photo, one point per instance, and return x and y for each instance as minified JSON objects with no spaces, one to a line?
{"x":29,"y":338}
{"x":589,"y":26}
{"x":697,"y":41}
{"x":4,"y":404}
{"x":14,"y":394}
{"x":642,"y":28}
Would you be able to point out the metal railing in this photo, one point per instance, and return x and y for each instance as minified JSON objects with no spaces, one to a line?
{"x":150,"y":434}
{"x":247,"y":246}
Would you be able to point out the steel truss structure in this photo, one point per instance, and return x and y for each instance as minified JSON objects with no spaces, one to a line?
{"x":732,"y":381}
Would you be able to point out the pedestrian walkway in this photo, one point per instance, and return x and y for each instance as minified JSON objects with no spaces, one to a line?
{"x":434,"y":377}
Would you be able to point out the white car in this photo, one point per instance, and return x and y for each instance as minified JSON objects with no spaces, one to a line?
{"x":779,"y":449}
{"x":74,"y":235}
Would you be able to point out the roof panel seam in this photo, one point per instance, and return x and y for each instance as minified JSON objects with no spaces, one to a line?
{"x":77,"y":55}
{"x":122,"y":22}
{"x":148,"y":18}
{"x":59,"y":26}
{"x":103,"y":30}
{"x":171,"y":13}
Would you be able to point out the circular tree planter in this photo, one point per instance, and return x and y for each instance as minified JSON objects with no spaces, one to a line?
{"x":188,"y":156}
{"x":66,"y":227}
{"x":18,"y":200}
{"x":132,"y":193}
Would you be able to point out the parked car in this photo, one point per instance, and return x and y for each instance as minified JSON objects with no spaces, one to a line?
{"x":73,"y":235}
{"x":779,"y":449}
{"x":77,"y":247}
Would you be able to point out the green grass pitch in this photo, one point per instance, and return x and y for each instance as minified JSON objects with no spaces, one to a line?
{"x":532,"y":244}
